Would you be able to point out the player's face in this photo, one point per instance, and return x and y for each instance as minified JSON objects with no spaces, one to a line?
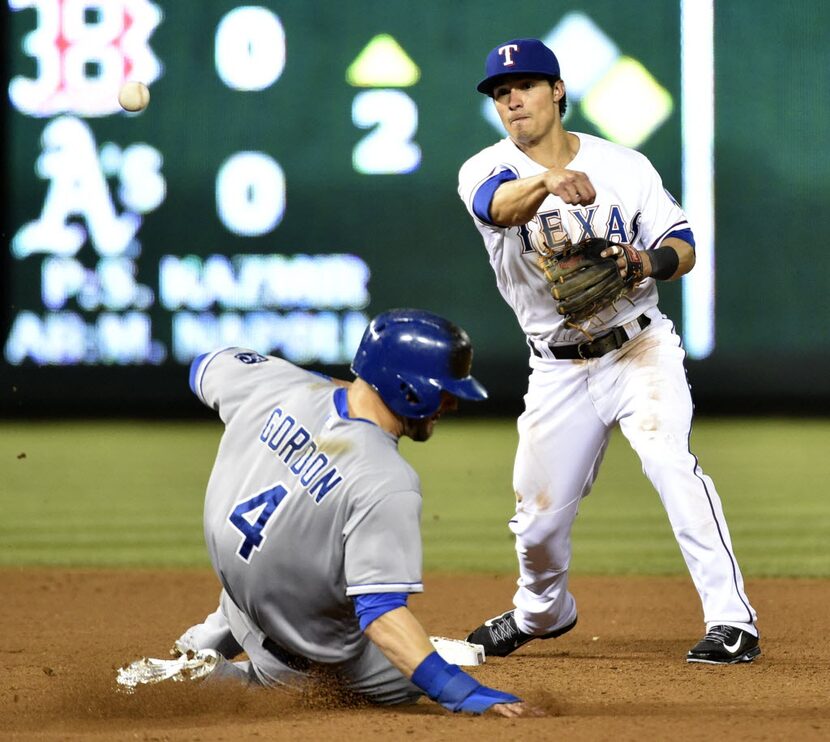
{"x":421,"y":430}
{"x":527,"y":107}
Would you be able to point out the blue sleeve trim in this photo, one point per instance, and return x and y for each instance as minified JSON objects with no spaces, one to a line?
{"x":384,"y":587}
{"x":454,"y":689}
{"x":683,"y":234}
{"x":370,"y":606}
{"x":484,"y":195}
{"x":665,"y":234}
{"x":194,"y":369}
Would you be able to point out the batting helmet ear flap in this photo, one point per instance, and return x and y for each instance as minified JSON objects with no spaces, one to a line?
{"x":423,"y":396}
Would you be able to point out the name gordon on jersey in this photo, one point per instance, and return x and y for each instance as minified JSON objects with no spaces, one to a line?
{"x":286,"y":438}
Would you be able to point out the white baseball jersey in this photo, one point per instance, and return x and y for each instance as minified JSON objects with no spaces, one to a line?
{"x":305,"y":506}
{"x":631,"y":206}
{"x":571,"y":406}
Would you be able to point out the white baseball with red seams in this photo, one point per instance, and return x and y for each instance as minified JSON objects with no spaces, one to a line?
{"x":134,"y":96}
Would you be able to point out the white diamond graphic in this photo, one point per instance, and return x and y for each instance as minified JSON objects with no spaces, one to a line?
{"x":584,"y":51}
{"x":628,"y":104}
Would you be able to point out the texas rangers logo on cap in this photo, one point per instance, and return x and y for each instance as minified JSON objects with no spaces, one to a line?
{"x":518,"y":56}
{"x":506,"y":53}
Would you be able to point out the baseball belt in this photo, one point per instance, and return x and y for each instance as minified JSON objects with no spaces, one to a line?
{"x":599,"y":346}
{"x":293,"y":661}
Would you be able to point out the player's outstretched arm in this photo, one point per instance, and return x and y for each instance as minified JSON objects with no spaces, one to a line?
{"x":400,"y":636}
{"x":515,"y":202}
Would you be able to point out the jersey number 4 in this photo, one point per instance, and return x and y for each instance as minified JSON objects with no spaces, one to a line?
{"x":266,"y":503}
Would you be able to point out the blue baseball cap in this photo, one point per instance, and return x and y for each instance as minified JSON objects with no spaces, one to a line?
{"x":516,"y":57}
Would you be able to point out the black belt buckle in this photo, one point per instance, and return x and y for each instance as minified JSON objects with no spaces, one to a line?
{"x":620,"y":337}
{"x":614,"y":339}
{"x":611,"y":340}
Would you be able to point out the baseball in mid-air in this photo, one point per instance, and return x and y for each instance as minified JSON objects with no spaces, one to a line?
{"x":134,"y":96}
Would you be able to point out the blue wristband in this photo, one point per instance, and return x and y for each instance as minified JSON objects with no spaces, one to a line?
{"x":454,"y":689}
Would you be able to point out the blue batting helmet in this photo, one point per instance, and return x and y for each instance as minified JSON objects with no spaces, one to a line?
{"x":410,"y":356}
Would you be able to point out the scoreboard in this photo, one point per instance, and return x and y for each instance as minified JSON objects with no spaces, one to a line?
{"x":294,"y":174}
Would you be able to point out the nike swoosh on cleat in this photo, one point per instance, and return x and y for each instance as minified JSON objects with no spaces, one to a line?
{"x":731,"y":648}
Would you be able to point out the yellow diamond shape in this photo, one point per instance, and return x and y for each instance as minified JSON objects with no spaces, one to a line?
{"x":627,"y":105}
{"x":383,"y":64}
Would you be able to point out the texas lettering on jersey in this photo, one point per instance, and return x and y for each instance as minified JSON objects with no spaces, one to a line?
{"x":547,"y":234}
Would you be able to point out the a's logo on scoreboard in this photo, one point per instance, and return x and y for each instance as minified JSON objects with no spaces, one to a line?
{"x":84,"y":50}
{"x":78,"y":191}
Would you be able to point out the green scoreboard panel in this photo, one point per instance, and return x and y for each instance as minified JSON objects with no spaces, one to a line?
{"x":295,"y":173}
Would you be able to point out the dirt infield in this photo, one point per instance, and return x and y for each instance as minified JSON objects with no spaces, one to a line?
{"x":619,"y":675}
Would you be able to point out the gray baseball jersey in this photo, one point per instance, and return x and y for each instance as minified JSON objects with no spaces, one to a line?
{"x":305,"y":506}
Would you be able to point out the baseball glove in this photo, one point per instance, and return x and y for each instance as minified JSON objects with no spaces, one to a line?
{"x":584,"y":283}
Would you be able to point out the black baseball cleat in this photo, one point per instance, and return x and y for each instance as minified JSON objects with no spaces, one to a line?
{"x":500,"y":636}
{"x":725,"y":645}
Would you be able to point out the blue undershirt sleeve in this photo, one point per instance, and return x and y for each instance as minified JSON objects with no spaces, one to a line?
{"x":484,"y":195}
{"x":683,"y":234}
{"x":370,"y":606}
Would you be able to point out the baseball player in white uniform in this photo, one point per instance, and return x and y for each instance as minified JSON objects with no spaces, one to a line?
{"x":312,"y":517}
{"x":536,"y":191}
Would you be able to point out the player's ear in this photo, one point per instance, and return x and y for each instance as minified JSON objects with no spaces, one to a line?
{"x":558,"y":90}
